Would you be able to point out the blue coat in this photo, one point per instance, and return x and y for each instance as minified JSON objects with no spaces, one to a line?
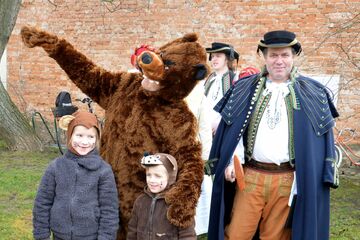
{"x":314,"y":154}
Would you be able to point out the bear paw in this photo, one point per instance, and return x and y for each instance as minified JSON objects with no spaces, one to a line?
{"x":33,"y":37}
{"x":181,"y":210}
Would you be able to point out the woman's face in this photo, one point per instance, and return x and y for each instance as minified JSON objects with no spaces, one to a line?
{"x":218,"y":61}
{"x":83,"y":140}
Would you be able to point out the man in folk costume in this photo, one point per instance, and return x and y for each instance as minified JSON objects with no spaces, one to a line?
{"x":286,"y":121}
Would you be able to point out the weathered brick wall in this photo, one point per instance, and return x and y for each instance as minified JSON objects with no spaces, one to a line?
{"x":107,"y":33}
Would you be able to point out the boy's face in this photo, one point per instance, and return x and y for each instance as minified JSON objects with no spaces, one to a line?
{"x":156,"y":178}
{"x":83,"y":140}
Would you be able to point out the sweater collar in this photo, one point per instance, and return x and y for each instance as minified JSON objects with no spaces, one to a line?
{"x":90,"y":161}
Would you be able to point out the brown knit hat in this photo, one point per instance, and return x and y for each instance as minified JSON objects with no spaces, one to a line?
{"x":69,"y":122}
{"x":167,"y":160}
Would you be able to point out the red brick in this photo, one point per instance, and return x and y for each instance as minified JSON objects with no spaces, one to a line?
{"x":108,"y":38}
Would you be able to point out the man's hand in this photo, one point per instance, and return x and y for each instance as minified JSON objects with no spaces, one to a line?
{"x":230,"y":173}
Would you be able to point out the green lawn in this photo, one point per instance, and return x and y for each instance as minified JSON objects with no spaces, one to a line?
{"x":20,"y":173}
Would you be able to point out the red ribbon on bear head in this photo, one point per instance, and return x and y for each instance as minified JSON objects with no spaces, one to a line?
{"x":138,"y":51}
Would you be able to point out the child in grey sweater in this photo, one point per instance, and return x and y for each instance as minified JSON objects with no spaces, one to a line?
{"x":77,"y":197}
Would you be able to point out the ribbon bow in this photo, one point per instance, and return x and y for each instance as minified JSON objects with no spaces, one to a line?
{"x":138,"y":51}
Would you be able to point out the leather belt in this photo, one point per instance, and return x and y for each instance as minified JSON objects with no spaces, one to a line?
{"x":269,"y":167}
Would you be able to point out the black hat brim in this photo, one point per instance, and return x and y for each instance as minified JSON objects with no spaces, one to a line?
{"x":297,"y":47}
{"x":225,"y":50}
{"x":280,"y":39}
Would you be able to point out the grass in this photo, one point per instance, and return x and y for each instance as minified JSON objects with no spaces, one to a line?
{"x":20,"y":174}
{"x":345,"y":210}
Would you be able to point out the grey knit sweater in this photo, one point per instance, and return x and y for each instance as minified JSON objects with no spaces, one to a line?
{"x":77,"y":199}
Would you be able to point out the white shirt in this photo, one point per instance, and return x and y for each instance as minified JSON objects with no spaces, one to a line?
{"x":215,"y":94}
{"x":272,"y":139}
{"x":200,"y":107}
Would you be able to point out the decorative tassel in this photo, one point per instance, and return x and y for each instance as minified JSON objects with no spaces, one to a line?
{"x":239,"y":173}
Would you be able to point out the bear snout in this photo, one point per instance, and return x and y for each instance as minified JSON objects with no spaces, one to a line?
{"x":151,"y":65}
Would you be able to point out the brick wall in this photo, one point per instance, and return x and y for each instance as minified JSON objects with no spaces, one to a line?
{"x":107,"y":33}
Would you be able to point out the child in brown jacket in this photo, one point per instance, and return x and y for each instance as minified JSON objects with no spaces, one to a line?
{"x":148,"y":219}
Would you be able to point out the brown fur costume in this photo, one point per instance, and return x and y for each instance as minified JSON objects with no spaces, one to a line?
{"x":138,"y":120}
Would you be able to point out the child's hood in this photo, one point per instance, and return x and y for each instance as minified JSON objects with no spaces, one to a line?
{"x":167,"y":160}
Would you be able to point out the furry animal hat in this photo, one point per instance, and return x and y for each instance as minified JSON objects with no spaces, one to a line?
{"x":167,"y":160}
{"x":69,"y":122}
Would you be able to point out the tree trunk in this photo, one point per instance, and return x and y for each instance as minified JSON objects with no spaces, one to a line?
{"x":14,"y":128}
{"x":9,"y":10}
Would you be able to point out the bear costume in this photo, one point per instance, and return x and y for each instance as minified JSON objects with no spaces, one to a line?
{"x":144,"y":111}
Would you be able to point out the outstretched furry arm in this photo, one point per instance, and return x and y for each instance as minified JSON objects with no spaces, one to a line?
{"x":94,"y":81}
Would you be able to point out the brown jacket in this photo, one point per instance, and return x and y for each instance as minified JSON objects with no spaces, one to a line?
{"x":148,"y":220}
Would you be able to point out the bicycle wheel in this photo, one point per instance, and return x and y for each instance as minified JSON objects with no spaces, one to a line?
{"x":60,"y":138}
{"x":346,"y":135}
{"x":338,"y":162}
{"x":338,"y":157}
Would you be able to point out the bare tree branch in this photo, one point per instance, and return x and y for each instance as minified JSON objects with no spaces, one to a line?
{"x":341,"y":28}
{"x":351,"y":60}
{"x":52,"y":3}
{"x":114,"y":7}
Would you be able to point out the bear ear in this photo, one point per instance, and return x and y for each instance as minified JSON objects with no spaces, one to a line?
{"x":190,"y":37}
{"x":201,"y":71}
{"x":64,"y":122}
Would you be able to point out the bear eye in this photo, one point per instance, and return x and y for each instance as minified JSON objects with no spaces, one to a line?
{"x":169,"y":62}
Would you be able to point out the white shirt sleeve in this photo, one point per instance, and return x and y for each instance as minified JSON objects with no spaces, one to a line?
{"x":205,"y":131}
{"x":200,"y":106}
{"x":239,"y":151}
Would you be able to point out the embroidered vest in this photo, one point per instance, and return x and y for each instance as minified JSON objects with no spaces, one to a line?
{"x":255,"y":121}
{"x":226,"y":81}
{"x":306,"y":94}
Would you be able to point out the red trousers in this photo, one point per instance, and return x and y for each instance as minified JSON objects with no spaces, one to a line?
{"x":265,"y":200}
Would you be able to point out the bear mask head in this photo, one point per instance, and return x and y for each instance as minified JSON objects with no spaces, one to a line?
{"x":172,"y":71}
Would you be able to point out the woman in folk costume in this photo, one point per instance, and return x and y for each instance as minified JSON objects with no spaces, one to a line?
{"x":200,"y":107}
{"x":221,"y":57}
